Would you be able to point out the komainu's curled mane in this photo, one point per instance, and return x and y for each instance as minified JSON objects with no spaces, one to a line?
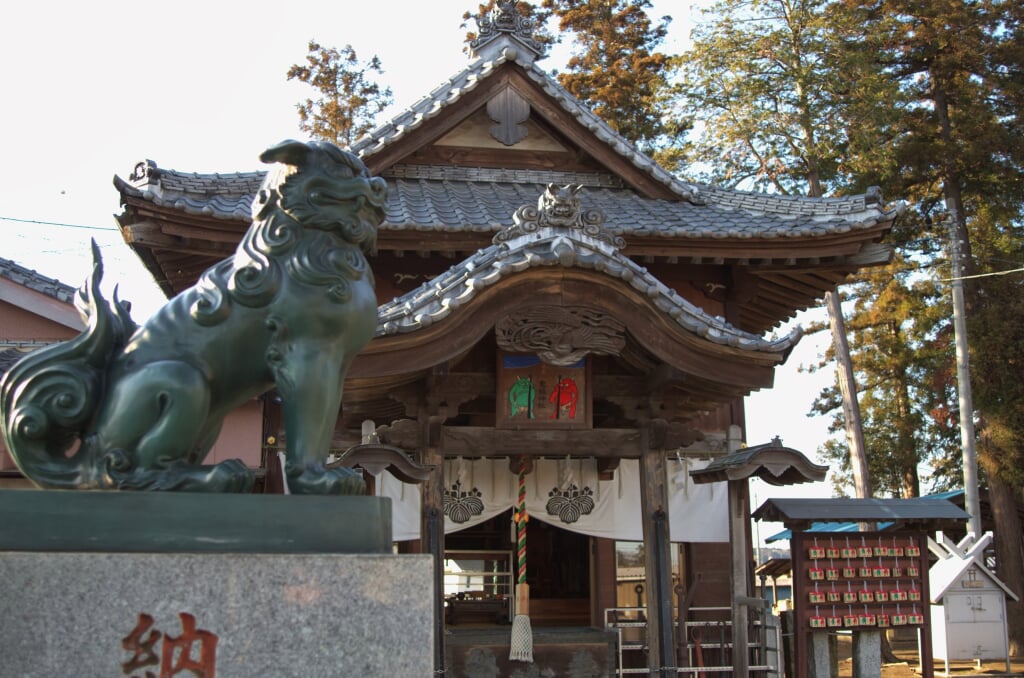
{"x":290,"y":309}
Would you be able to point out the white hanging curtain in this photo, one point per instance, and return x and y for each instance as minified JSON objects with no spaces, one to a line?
{"x":568,"y":494}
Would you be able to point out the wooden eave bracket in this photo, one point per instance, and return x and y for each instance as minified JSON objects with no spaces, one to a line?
{"x":376,"y":457}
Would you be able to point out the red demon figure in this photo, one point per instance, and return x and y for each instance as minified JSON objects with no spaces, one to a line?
{"x":565,"y":395}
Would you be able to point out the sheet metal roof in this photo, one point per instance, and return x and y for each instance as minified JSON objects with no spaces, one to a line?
{"x":833,"y":527}
{"x":809,"y":511}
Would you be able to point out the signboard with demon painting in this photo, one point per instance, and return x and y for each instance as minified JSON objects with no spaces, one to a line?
{"x":534,"y":394}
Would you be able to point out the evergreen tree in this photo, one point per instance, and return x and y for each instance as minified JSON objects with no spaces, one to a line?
{"x":761,"y":84}
{"x":617,"y":69}
{"x":349,"y":99}
{"x":959,"y":66}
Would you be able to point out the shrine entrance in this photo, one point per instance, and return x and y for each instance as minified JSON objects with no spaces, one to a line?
{"x":558,"y":572}
{"x":480,"y":571}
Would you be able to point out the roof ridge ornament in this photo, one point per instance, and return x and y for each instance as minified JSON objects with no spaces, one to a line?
{"x":559,"y":207}
{"x":505,"y":20}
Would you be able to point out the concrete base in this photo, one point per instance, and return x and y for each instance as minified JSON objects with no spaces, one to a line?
{"x":172,"y":584}
{"x":867,"y":654}
{"x":102,"y":614}
{"x":819,"y":655}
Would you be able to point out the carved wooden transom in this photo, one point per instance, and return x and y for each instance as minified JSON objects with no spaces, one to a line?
{"x":560,"y":336}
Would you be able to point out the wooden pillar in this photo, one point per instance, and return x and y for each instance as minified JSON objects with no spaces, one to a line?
{"x":658,"y":564}
{"x":432,"y":527}
{"x":739,"y":527}
{"x":739,"y":514}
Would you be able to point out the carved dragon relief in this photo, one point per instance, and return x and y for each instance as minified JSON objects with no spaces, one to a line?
{"x":560,"y":336}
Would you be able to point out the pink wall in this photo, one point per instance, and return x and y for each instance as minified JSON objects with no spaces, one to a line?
{"x":241,"y":437}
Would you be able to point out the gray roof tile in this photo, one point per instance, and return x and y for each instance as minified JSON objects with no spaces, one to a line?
{"x":451,"y":205}
{"x":550,"y":246}
{"x":36,"y":281}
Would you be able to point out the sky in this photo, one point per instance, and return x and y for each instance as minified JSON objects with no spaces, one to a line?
{"x":91,"y":89}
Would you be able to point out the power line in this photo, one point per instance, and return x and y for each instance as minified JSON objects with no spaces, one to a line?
{"x":984,"y":275}
{"x":56,"y":223}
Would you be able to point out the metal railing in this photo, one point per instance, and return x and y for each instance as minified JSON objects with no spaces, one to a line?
{"x":708,"y":642}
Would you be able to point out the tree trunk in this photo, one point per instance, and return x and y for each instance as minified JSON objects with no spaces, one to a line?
{"x":848,"y":387}
{"x":1009,"y":543}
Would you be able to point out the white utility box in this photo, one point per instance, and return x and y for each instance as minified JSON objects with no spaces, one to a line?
{"x":968,"y":603}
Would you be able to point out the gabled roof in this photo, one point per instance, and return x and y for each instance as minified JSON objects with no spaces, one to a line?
{"x":954,"y":563}
{"x":459,"y":85}
{"x":802,"y":513}
{"x":573,"y":261}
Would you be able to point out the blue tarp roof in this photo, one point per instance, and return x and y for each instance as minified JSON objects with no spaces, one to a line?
{"x":785,"y":535}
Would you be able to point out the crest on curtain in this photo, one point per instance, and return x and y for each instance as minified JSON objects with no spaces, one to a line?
{"x":568,"y":501}
{"x":462,"y":505}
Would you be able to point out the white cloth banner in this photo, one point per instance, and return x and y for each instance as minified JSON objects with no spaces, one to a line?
{"x":565,"y":493}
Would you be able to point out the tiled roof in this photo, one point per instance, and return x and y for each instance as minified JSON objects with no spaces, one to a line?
{"x":220,"y":195}
{"x":453,"y":89}
{"x":474,"y":199}
{"x":436,"y":299}
{"x":36,"y":281}
{"x":479,"y":199}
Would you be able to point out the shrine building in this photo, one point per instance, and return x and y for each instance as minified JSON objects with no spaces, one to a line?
{"x":558,"y":316}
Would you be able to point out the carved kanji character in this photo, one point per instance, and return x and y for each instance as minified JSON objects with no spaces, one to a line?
{"x":142,"y":649}
{"x":177,"y":652}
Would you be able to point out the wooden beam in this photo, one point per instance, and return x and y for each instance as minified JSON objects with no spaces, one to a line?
{"x":476,"y":441}
{"x":148,"y":234}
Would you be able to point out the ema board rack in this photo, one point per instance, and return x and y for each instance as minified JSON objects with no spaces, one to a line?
{"x":867,"y":579}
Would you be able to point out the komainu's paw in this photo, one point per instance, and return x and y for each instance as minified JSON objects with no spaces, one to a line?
{"x":318,"y":480}
{"x":228,"y":476}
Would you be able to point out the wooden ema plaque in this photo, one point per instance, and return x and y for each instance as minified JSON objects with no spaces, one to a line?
{"x":535,"y":395}
{"x":863,"y":580}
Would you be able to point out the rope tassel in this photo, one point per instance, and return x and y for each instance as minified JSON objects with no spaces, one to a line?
{"x":521,"y":644}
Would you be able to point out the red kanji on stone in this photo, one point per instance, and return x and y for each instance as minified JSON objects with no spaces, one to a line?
{"x":177,"y":652}
{"x":142,"y":649}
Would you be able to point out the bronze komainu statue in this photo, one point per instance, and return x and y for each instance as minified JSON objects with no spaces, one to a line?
{"x":128,"y":407}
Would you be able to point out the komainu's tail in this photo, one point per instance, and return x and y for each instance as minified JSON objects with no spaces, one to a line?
{"x":49,"y":398}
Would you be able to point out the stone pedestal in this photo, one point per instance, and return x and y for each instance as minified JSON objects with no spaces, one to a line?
{"x":240,"y":610}
{"x":819,"y":655}
{"x":867,"y":653}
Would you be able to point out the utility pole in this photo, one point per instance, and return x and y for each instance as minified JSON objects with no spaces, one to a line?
{"x":963,"y":385}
